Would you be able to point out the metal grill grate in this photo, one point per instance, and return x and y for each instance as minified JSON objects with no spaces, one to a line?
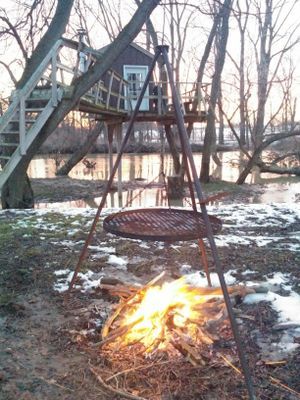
{"x":163,"y":224}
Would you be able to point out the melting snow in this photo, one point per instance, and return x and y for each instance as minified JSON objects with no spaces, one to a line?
{"x":199,"y":279}
{"x":89,"y":280}
{"x":118,"y":262}
{"x":287,"y":307}
{"x":103,"y":249}
{"x":240,"y":227}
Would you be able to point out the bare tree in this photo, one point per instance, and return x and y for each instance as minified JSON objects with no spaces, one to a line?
{"x":242,"y":20}
{"x":108,"y":15}
{"x":270,"y":46}
{"x":210,"y":131}
{"x":22,"y":32}
{"x":16,"y":192}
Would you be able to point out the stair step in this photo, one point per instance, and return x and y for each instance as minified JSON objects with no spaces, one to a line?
{"x":30,"y":99}
{"x":27,"y":121}
{"x":10,"y":133}
{"x":5,"y":157}
{"x":31,"y":109}
{"x":3,"y":144}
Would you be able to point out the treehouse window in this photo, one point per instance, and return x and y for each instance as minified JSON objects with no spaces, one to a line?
{"x":135,"y":76}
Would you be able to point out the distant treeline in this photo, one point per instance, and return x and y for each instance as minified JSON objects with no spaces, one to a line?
{"x":147,"y":138}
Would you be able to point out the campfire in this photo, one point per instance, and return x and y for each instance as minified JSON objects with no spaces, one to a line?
{"x":168,"y":316}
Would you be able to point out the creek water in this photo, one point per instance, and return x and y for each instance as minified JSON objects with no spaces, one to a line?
{"x":147,"y":168}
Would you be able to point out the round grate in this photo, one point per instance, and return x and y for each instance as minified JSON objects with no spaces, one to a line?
{"x":163,"y":224}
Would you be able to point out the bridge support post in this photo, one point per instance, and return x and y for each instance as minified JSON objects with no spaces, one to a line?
{"x":115,"y":129}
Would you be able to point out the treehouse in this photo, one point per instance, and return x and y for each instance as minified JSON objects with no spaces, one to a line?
{"x":112,"y":99}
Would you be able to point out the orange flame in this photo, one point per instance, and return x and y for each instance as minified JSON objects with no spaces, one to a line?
{"x":171,"y":305}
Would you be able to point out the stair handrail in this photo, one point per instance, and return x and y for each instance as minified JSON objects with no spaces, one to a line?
{"x":29,"y":86}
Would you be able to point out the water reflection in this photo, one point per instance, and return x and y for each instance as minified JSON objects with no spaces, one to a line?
{"x":136,"y":166}
{"x":155,"y":197}
{"x":147,"y":168}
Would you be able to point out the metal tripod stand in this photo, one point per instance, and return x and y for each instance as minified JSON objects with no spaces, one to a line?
{"x":192,"y":176}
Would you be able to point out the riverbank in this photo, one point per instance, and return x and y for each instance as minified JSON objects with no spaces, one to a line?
{"x":66,"y":189}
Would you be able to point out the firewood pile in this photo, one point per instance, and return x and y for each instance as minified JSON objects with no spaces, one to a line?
{"x":171,"y":316}
{"x":171,"y":347}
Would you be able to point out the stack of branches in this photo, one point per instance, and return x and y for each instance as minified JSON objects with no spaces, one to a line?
{"x":173,"y":331}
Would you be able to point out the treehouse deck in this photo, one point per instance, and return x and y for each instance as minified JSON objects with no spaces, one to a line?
{"x":113,"y":115}
{"x":111,"y":99}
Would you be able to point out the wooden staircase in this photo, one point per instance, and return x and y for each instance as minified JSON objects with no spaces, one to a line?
{"x":32,"y":105}
{"x":27,"y":114}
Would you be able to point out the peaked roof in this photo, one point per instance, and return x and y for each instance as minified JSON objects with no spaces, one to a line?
{"x":134,"y":45}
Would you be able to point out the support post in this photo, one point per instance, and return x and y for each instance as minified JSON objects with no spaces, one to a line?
{"x":110,"y":136}
{"x":22,"y":126}
{"x":54,"y":95}
{"x":119,"y":142}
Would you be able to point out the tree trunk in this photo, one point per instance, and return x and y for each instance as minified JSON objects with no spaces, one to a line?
{"x":173,"y":149}
{"x":205,"y":56}
{"x":263,"y":67}
{"x":246,"y":171}
{"x":80,"y":86}
{"x":242,"y":91}
{"x":80,"y":153}
{"x":56,"y":29}
{"x":221,"y":119}
{"x":255,"y":158}
{"x":17,"y":192}
{"x":275,"y":169}
{"x":209,"y":139}
{"x":210,"y":131}
{"x":242,"y":20}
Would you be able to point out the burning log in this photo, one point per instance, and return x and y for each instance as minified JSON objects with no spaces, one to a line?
{"x":118,"y":332}
{"x":126,"y":302}
{"x":122,"y":291}
{"x":173,"y":315}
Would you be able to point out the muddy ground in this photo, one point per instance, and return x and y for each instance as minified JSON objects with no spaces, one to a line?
{"x":46,"y":337}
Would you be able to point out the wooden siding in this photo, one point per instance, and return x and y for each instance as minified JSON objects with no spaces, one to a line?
{"x":131,"y":56}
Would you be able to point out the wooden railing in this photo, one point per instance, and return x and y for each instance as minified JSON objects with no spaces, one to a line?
{"x":192,"y":95}
{"x":108,"y":93}
{"x":51,"y":80}
{"x":112,"y":96}
{"x":19,"y":97}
